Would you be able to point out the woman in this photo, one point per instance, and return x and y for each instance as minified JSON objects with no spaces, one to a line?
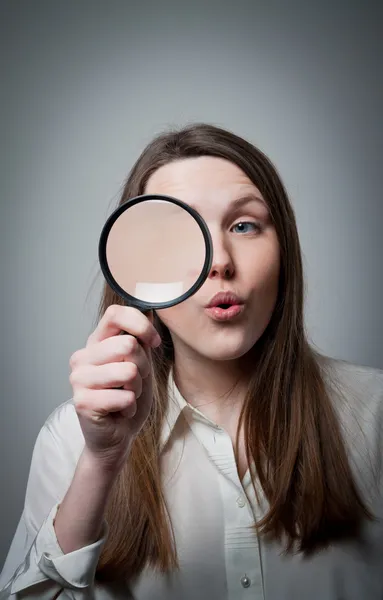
{"x":234,"y":461}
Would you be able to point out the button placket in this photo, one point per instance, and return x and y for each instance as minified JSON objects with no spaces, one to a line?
{"x":241,"y":550}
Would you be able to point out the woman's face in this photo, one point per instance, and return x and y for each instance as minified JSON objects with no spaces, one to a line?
{"x":245,"y":258}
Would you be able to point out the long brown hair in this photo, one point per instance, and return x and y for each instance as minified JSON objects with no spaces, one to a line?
{"x":291,"y":429}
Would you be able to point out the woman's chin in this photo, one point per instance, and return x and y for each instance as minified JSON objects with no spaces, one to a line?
{"x":226,"y":350}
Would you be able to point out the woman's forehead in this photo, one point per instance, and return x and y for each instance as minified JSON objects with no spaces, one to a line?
{"x":201,"y":181}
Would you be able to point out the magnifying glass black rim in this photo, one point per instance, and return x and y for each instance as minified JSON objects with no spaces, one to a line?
{"x":131,"y":300}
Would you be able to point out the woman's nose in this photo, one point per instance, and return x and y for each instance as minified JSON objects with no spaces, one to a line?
{"x":222,"y":266}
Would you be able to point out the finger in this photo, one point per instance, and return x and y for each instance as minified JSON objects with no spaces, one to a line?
{"x":124,"y":318}
{"x":112,"y":375}
{"x":114,"y":349}
{"x":130,"y":410}
{"x":93,"y":403}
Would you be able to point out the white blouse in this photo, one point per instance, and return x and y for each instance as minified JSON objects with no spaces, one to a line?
{"x":212,"y":511}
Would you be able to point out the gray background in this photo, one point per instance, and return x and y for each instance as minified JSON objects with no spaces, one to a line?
{"x":84,"y":85}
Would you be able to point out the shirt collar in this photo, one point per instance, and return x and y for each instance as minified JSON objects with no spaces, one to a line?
{"x":177,"y":405}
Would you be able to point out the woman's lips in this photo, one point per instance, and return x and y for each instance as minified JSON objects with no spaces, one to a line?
{"x":218,"y":313}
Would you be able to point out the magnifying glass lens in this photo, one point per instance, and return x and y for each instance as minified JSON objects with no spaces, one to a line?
{"x":156,"y":251}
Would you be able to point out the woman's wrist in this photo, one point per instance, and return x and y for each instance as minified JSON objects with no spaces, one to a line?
{"x":105,"y":466}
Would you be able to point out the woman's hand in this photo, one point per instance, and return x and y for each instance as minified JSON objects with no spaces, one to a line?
{"x":112,"y":383}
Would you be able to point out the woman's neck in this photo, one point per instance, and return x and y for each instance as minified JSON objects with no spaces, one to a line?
{"x":216,"y":388}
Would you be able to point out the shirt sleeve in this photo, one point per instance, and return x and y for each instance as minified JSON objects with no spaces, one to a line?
{"x":35,"y":566}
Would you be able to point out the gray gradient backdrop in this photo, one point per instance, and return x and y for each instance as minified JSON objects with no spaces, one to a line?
{"x":84,"y":85}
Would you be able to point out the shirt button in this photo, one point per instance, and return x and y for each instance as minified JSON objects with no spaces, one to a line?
{"x":241,"y":501}
{"x":245,"y":581}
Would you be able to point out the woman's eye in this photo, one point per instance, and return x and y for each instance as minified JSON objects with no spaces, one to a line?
{"x":245,"y":227}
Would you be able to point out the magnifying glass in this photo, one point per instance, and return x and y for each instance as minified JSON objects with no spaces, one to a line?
{"x":155,"y":251}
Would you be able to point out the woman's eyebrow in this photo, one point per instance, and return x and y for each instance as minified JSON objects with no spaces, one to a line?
{"x":239,"y":202}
